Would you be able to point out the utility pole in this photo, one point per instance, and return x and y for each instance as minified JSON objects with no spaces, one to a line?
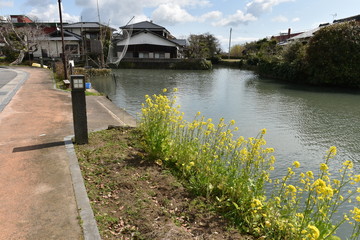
{"x":230,"y":42}
{"x":102,"y":60}
{"x":62,"y":41}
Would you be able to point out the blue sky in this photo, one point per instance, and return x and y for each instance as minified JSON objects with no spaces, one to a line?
{"x":249,"y":19}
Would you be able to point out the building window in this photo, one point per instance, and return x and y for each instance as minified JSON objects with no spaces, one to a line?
{"x":143,"y":55}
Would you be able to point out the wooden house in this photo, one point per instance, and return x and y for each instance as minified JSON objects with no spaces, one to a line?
{"x":149,"y":41}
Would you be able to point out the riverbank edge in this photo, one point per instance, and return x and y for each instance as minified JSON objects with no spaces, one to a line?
{"x":174,"y":64}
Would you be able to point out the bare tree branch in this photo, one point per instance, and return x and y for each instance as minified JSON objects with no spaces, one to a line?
{"x":25,"y":39}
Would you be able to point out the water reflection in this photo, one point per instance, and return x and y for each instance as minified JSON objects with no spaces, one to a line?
{"x":302,"y":123}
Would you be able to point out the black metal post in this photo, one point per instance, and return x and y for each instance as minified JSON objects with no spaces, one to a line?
{"x":79,"y":108}
{"x":53,"y":65}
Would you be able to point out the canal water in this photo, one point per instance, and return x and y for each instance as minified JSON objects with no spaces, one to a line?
{"x":302,"y":122}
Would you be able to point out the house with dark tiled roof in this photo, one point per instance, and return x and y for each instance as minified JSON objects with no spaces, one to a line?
{"x":348,"y":19}
{"x":305,"y":36}
{"x":51,"y":45}
{"x":149,"y":41}
{"x":80,"y":39}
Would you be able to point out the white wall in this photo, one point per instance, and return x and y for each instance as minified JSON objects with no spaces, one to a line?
{"x":54,"y":48}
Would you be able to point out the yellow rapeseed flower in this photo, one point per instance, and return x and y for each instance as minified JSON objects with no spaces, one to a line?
{"x":313,"y":231}
{"x":296,"y":164}
{"x":310,"y":174}
{"x":256,"y":203}
{"x":292,"y":188}
{"x":348,"y":164}
{"x":328,"y":191}
{"x":324,"y":167}
{"x":263,"y":131}
{"x":337,"y":182}
{"x":356,"y":213}
{"x":332,"y":150}
{"x":356,"y":178}
{"x":270,"y":150}
{"x":164,"y":90}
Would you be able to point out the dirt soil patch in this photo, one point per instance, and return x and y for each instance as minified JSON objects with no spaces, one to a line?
{"x":134,"y":198}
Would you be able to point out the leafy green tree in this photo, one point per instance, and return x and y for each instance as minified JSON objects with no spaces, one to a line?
{"x":333,"y":55}
{"x":237,"y":50}
{"x":203,"y":46}
{"x":294,"y":52}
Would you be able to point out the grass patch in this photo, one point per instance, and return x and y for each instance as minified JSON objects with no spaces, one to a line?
{"x":135,"y":198}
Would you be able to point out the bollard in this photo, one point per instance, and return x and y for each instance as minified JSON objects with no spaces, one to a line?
{"x":79,"y":108}
{"x":53,"y":65}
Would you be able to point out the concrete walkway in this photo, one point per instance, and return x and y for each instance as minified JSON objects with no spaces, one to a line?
{"x":37,"y":199}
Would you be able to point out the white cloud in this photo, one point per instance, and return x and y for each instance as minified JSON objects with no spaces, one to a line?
{"x":280,"y":19}
{"x":50,"y":12}
{"x":4,"y":4}
{"x":120,"y":12}
{"x":141,"y":3}
{"x":34,"y":3}
{"x":86,"y":3}
{"x":236,"y":19}
{"x":171,"y":14}
{"x":258,"y":7}
{"x":115,"y":12}
{"x":210,"y":16}
{"x":181,"y":3}
{"x":295,"y":19}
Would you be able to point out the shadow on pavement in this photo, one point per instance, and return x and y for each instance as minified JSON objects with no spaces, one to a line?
{"x":38,"y":146}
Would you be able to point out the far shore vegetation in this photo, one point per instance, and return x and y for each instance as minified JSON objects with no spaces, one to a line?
{"x":331,"y":57}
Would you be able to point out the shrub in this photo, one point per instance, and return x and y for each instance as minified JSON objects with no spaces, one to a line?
{"x":59,"y":71}
{"x":90,"y":72}
{"x":10,"y":55}
{"x":333,"y":55}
